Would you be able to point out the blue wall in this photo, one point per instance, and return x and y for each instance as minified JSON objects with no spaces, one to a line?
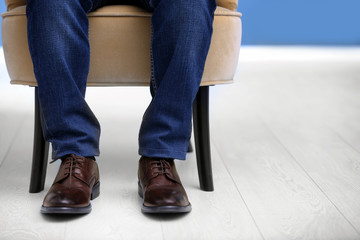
{"x":328,"y":22}
{"x":2,"y":9}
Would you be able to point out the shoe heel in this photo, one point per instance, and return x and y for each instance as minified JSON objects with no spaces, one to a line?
{"x":140,"y":190}
{"x":95,"y":191}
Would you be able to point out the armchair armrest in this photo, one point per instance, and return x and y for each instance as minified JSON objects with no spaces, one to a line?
{"x":229,"y":4}
{"x":11,"y":4}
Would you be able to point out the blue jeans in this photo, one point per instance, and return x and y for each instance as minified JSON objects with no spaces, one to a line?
{"x":60,"y":51}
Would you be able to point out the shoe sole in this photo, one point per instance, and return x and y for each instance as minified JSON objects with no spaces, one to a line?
{"x":162,"y":209}
{"x":95,"y":192}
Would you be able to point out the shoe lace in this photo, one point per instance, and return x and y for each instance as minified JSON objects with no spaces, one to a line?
{"x":72,"y":167}
{"x":161,"y":166}
{"x":71,"y":162}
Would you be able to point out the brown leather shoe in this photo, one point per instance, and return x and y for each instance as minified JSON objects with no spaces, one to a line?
{"x":160,"y":187}
{"x":76,"y":183}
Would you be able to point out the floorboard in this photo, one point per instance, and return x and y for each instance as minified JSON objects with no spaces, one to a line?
{"x":284,"y":201}
{"x":285,"y":145}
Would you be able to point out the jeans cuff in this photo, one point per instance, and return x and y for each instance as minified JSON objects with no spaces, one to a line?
{"x":60,"y":154}
{"x":162,"y":153}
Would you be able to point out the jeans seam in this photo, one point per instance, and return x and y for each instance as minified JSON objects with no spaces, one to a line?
{"x":152,"y":79}
{"x":42,"y":120}
{"x":44,"y":125}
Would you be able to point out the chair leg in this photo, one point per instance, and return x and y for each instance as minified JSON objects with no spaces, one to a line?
{"x":190,"y":148}
{"x":40,"y":153}
{"x":202,"y":138}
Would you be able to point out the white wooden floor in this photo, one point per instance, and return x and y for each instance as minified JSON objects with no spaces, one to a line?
{"x":285,"y":146}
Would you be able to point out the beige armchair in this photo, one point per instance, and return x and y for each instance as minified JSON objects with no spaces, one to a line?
{"x":120,"y":56}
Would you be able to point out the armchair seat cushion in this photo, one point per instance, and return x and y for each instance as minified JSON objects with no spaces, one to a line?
{"x":120,"y":47}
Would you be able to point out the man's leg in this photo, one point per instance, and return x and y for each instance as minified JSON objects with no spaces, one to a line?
{"x":59,"y":48}
{"x":181,"y":34}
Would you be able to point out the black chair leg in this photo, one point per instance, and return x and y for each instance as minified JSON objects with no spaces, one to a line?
{"x":40,"y":153}
{"x":202,"y":138}
{"x":190,"y":148}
